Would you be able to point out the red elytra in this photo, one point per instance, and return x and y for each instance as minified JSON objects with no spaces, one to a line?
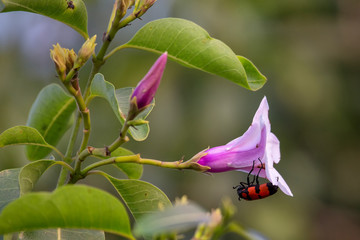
{"x":250,"y":191}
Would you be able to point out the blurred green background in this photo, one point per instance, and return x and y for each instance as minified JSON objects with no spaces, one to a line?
{"x":308,"y":50}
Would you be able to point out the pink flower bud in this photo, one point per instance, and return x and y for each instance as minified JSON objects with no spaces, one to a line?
{"x":146,"y":88}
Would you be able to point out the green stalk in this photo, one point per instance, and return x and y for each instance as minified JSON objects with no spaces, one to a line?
{"x":236,"y":228}
{"x":54,"y":149}
{"x":137,"y":159}
{"x":104,"y":152}
{"x":64,"y":172}
{"x":70,"y":75}
{"x":70,"y":147}
{"x":85,"y":114}
{"x":84,"y":111}
{"x":118,"y":48}
{"x":64,"y":164}
{"x":98,"y":61}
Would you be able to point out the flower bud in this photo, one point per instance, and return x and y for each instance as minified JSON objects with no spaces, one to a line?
{"x":146,"y":88}
{"x":85,"y":52}
{"x":122,"y":6}
{"x":70,"y":59}
{"x":149,"y":3}
{"x":142,"y":6}
{"x":58,"y":55}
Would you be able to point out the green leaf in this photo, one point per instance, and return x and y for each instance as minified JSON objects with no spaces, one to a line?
{"x":23,"y":135}
{"x":30,"y":174}
{"x":175,"y":219}
{"x":101,"y":88}
{"x":142,"y":198}
{"x":50,"y":115}
{"x":132,"y":170}
{"x":252,"y":73}
{"x":9,"y":186}
{"x":55,"y":234}
{"x":119,"y":101}
{"x":75,"y":206}
{"x":59,"y":10}
{"x":190,"y":45}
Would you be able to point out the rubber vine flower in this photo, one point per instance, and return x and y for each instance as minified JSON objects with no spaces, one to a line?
{"x":258,"y":142}
{"x":145,"y":90}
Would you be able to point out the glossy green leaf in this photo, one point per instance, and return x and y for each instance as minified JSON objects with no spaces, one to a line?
{"x":30,"y":174}
{"x":9,"y":186}
{"x":175,"y":219}
{"x":63,"y":234}
{"x":75,"y":206}
{"x":50,"y":115}
{"x":59,"y":10}
{"x":104,"y":89}
{"x":23,"y":135}
{"x":119,"y":101}
{"x":132,"y":170}
{"x":252,"y":73}
{"x":190,"y":45}
{"x":142,"y":198}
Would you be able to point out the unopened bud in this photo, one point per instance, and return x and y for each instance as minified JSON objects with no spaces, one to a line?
{"x":70,"y":59}
{"x":149,"y":3}
{"x":85,"y":51}
{"x":145,"y":90}
{"x":122,"y":6}
{"x":142,"y":6}
{"x":58,"y":55}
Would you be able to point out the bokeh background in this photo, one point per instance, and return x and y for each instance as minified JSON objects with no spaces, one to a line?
{"x":308,"y":50}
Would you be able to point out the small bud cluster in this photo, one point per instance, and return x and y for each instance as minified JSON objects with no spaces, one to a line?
{"x":65,"y":59}
{"x":60,"y":57}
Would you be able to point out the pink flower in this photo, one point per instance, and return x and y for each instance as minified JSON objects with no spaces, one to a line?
{"x":146,"y":88}
{"x":258,"y":142}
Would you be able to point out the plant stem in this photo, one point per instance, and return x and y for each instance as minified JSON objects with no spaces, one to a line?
{"x":85,"y":115}
{"x":56,"y":150}
{"x":62,"y":177}
{"x":84,"y":111}
{"x":70,"y":75}
{"x":73,"y":137}
{"x":118,"y":48}
{"x":236,"y":228}
{"x":137,"y":159}
{"x":64,"y":172}
{"x":98,"y":60}
{"x":121,"y":139}
{"x":64,"y":164}
{"x":94,"y":70}
{"x":105,"y":152}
